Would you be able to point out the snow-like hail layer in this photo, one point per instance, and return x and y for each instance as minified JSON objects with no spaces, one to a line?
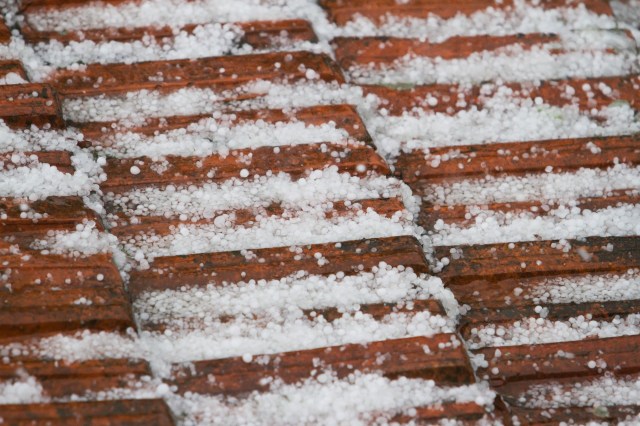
{"x":304,"y":219}
{"x":627,"y":13}
{"x":599,"y":393}
{"x":523,"y":17}
{"x":269,"y":316}
{"x":82,"y":346}
{"x":582,"y":54}
{"x":490,"y":227}
{"x":546,"y":187}
{"x":281,"y":319}
{"x":245,"y":335}
{"x":168,"y":12}
{"x":204,"y":202}
{"x":588,"y":288}
{"x":24,"y":176}
{"x":215,"y":136}
{"x":383,"y":284}
{"x":364,"y":399}
{"x":505,"y":116}
{"x":23,"y":389}
{"x":309,"y":226}
{"x":203,"y":41}
{"x":86,"y":240}
{"x":12,"y":78}
{"x":539,"y":330}
{"x":502,"y":118}
{"x":192,"y":101}
{"x":258,"y":317}
{"x":35,"y":139}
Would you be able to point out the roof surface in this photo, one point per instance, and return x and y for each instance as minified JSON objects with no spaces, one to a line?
{"x":351,"y":212}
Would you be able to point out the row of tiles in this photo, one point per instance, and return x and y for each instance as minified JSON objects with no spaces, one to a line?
{"x":510,"y":268}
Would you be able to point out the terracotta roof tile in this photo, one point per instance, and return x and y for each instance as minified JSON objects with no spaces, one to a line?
{"x":519,"y":193}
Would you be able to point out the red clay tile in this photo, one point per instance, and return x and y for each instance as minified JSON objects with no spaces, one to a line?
{"x":463,"y":412}
{"x":554,"y":92}
{"x":45,"y":289}
{"x":345,"y":117}
{"x":295,"y":160}
{"x":556,"y":416}
{"x":515,"y":371}
{"x":62,"y":379}
{"x":258,"y":34}
{"x":485,"y":265}
{"x":113,"y":79}
{"x":28,"y":5}
{"x":40,"y":318}
{"x":352,"y":51}
{"x":343,"y":11}
{"x":462,"y":214}
{"x":119,"y":412}
{"x":49,"y":293}
{"x":161,"y":225}
{"x":445,"y":364}
{"x":61,"y":160}
{"x":200,"y":269}
{"x":53,"y":213}
{"x":526,"y":365}
{"x":12,"y":66}
{"x":5,"y":33}
{"x":23,"y":105}
{"x":515,"y":158}
{"x":508,"y":314}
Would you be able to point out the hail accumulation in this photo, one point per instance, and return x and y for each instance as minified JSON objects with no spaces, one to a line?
{"x":584,"y":54}
{"x":503,"y":116}
{"x":541,"y":330}
{"x":192,"y":101}
{"x":599,"y":393}
{"x":261,"y":317}
{"x":205,"y":40}
{"x":383,"y":284}
{"x":251,"y":318}
{"x":35,"y":139}
{"x":241,"y":336}
{"x":24,"y":176}
{"x":364,"y":397}
{"x":318,"y":188}
{"x":588,"y":288}
{"x":551,"y":187}
{"x":309,"y":226}
{"x":215,"y":136}
{"x":270,"y":316}
{"x":523,"y":17}
{"x":488,"y":227}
